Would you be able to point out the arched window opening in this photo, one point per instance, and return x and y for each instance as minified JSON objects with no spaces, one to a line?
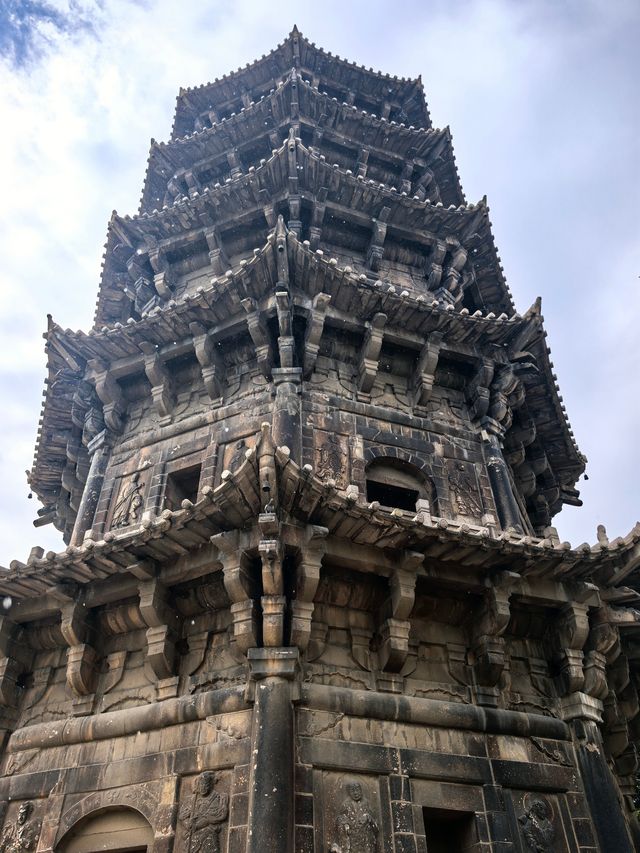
{"x":398,"y":484}
{"x":115,"y":830}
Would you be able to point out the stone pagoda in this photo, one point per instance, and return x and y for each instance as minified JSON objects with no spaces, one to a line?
{"x":306,"y":463}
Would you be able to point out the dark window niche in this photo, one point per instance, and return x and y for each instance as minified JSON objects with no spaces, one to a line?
{"x":449,"y":831}
{"x":182,"y":485}
{"x":395,"y":496}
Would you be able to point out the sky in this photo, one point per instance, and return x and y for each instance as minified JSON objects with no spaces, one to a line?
{"x":541,"y":97}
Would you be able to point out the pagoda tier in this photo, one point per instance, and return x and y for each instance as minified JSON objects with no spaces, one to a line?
{"x":326,"y":300}
{"x":413,"y":243}
{"x":392,"y":98}
{"x":417,"y":161}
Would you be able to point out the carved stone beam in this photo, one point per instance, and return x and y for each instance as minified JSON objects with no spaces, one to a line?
{"x":267,"y":471}
{"x":82,"y":658}
{"x":310,"y":554}
{"x":163,"y":278}
{"x":285,"y":338}
{"x":425,"y":371}
{"x":162,"y":627}
{"x":394,"y":630}
{"x":477,"y":389}
{"x":162,"y":391}
{"x":370,"y":354}
{"x":313,"y":334}
{"x":259,"y":336}
{"x":240,"y":585}
{"x":210,"y":364}
{"x":295,"y":223}
{"x":436,"y":260}
{"x":217,"y":256}
{"x":375,"y":251}
{"x":488,"y":626}
{"x":427,"y":187}
{"x":109,"y":394}
{"x":567,"y":643}
{"x":317,"y":217}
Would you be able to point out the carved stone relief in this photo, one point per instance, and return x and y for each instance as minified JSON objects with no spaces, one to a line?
{"x":331,"y":457}
{"x":537,"y":829}
{"x":463,"y":489}
{"x":128,"y":504}
{"x":21,"y":833}
{"x":352,"y":820}
{"x":234,"y":453}
{"x":203,"y":815}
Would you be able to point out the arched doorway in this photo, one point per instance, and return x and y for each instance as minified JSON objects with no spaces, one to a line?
{"x":396,"y":483}
{"x":119,"y":830}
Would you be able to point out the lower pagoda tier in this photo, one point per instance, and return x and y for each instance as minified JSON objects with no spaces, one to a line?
{"x":277,"y":667}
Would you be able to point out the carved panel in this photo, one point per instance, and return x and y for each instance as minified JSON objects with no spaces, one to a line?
{"x":331,"y":457}
{"x":22,"y":830}
{"x":203,"y":813}
{"x":350,"y":814}
{"x":128,"y":501}
{"x":540,"y":823}
{"x":233,"y":453}
{"x":464,"y":493}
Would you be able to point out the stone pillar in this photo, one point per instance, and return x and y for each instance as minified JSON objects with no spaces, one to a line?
{"x":600,"y":789}
{"x":98,"y":448}
{"x":506,"y":504}
{"x":286,"y":411}
{"x":271,"y":790}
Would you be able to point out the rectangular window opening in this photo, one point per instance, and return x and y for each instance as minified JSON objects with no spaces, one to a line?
{"x":182,"y":485}
{"x":449,"y":831}
{"x":392,"y":496}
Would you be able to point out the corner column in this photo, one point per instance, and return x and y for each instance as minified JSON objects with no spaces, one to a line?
{"x":286,"y":411}
{"x":271,"y":792}
{"x":98,"y":448}
{"x":506,"y":504}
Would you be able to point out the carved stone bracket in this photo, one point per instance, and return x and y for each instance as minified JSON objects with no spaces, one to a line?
{"x":240,"y":587}
{"x":219,"y":261}
{"x":82,"y":657}
{"x":375,"y":251}
{"x":162,"y":625}
{"x":488,"y":626}
{"x":259,"y":336}
{"x":109,"y":394}
{"x":370,"y":353}
{"x":425,"y":370}
{"x":162,"y":391}
{"x":313,"y":334}
{"x":567,"y":643}
{"x":210,"y":365}
{"x":311,"y":552}
{"x":395,"y":628}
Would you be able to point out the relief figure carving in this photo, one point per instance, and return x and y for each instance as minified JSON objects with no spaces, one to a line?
{"x":331,"y":460}
{"x":464,"y":491}
{"x":203,"y":817}
{"x":128,"y":506}
{"x":21,"y":834}
{"x":356,"y":828}
{"x":537,"y":829}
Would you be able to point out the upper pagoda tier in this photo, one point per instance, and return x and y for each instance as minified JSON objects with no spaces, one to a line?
{"x":410,"y":240}
{"x":417,"y":161}
{"x":393,"y":98}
